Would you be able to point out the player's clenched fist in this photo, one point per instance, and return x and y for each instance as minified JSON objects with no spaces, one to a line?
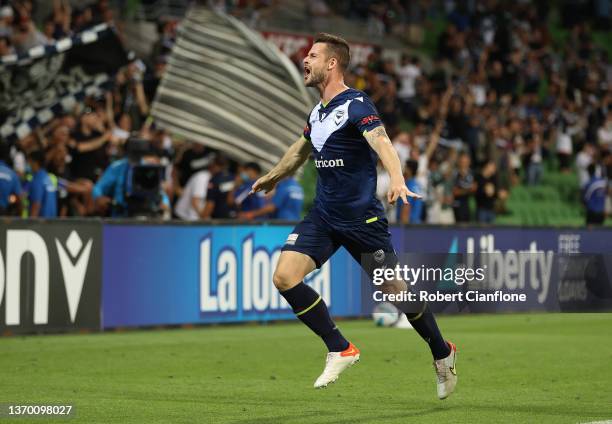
{"x":400,"y":191}
{"x":265,"y":183}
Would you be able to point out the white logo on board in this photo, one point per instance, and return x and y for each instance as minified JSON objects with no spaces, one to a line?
{"x":74,"y":261}
{"x":74,"y":273}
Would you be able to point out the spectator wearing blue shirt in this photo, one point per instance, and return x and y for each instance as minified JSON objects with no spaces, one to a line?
{"x":109,"y":191}
{"x":239,"y":198}
{"x":115,"y":185}
{"x":412,"y":212}
{"x":595,"y":193}
{"x":43,"y":190}
{"x":287,"y":202}
{"x":10,"y":187}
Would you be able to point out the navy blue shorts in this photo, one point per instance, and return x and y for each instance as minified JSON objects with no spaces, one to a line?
{"x":368,"y":243}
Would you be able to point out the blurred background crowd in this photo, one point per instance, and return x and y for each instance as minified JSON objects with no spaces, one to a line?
{"x":483,"y":103}
{"x":503,"y":102}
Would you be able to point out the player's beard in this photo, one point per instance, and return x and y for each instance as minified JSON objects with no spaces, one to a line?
{"x":316,"y":78}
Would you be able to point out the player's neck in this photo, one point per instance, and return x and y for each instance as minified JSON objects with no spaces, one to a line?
{"x":331,"y":89}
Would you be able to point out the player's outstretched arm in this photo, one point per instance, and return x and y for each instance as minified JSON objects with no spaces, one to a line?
{"x":290,"y":162}
{"x":380,"y":143}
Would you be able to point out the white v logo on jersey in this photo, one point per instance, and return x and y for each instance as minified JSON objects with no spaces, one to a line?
{"x":321,"y":130}
{"x":338,"y":116}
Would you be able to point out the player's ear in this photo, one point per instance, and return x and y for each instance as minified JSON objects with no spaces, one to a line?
{"x":332,"y":63}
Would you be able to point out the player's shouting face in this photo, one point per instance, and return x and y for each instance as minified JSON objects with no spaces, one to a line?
{"x":317,"y":64}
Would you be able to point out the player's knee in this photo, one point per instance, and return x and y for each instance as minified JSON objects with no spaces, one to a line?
{"x":283,"y":280}
{"x":394,"y":287}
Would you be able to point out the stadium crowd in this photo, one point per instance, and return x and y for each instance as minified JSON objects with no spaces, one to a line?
{"x":497,"y":101}
{"x":94,"y":162}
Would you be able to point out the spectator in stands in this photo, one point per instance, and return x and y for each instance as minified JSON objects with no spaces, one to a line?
{"x":129,"y":93}
{"x":464,"y":189}
{"x":486,"y":193}
{"x":25,"y":34}
{"x":6,"y":21}
{"x":61,"y":19}
{"x":403,"y":145}
{"x":443,"y":192}
{"x":74,"y":195}
{"x":595,"y":193}
{"x":191,"y":205}
{"x":408,"y":73}
{"x":219,"y":187}
{"x":411,"y":213}
{"x":604,"y":133}
{"x":166,"y":30}
{"x":286,"y":203}
{"x":318,"y":8}
{"x":152,"y":80}
{"x":498,"y":60}
{"x":584,"y":158}
{"x":19,"y":152}
{"x":241,"y":198}
{"x":534,"y":159}
{"x":6,"y":47}
{"x":318,"y":12}
{"x":288,"y":200}
{"x":193,"y":157}
{"x":82,"y":18}
{"x":89,"y":151}
{"x":10,"y":186}
{"x":564,"y":148}
{"x":116,"y":187}
{"x":384,"y":96}
{"x":102,"y":12}
{"x":457,"y":122}
{"x":42,"y":190}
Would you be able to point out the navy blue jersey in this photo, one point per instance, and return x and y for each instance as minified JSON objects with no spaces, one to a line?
{"x":346,"y":164}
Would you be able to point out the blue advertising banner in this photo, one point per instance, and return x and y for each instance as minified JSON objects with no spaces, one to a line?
{"x":555,"y":269}
{"x":488,"y":239}
{"x":158,"y":275}
{"x":179,"y":274}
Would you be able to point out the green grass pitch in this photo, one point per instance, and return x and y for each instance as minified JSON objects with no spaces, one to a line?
{"x":541,"y":368}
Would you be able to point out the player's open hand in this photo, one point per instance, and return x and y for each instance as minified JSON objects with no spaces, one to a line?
{"x":265,"y":183}
{"x":400,"y":191}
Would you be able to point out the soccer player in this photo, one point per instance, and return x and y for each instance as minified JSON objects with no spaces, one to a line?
{"x":346,"y":137}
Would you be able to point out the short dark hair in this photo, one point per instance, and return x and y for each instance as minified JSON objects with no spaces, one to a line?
{"x":37,"y":156}
{"x":591,"y":169}
{"x":254,"y":166}
{"x":337,"y":47}
{"x":5,"y":151}
{"x":220,"y":161}
{"x":413,"y":166}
